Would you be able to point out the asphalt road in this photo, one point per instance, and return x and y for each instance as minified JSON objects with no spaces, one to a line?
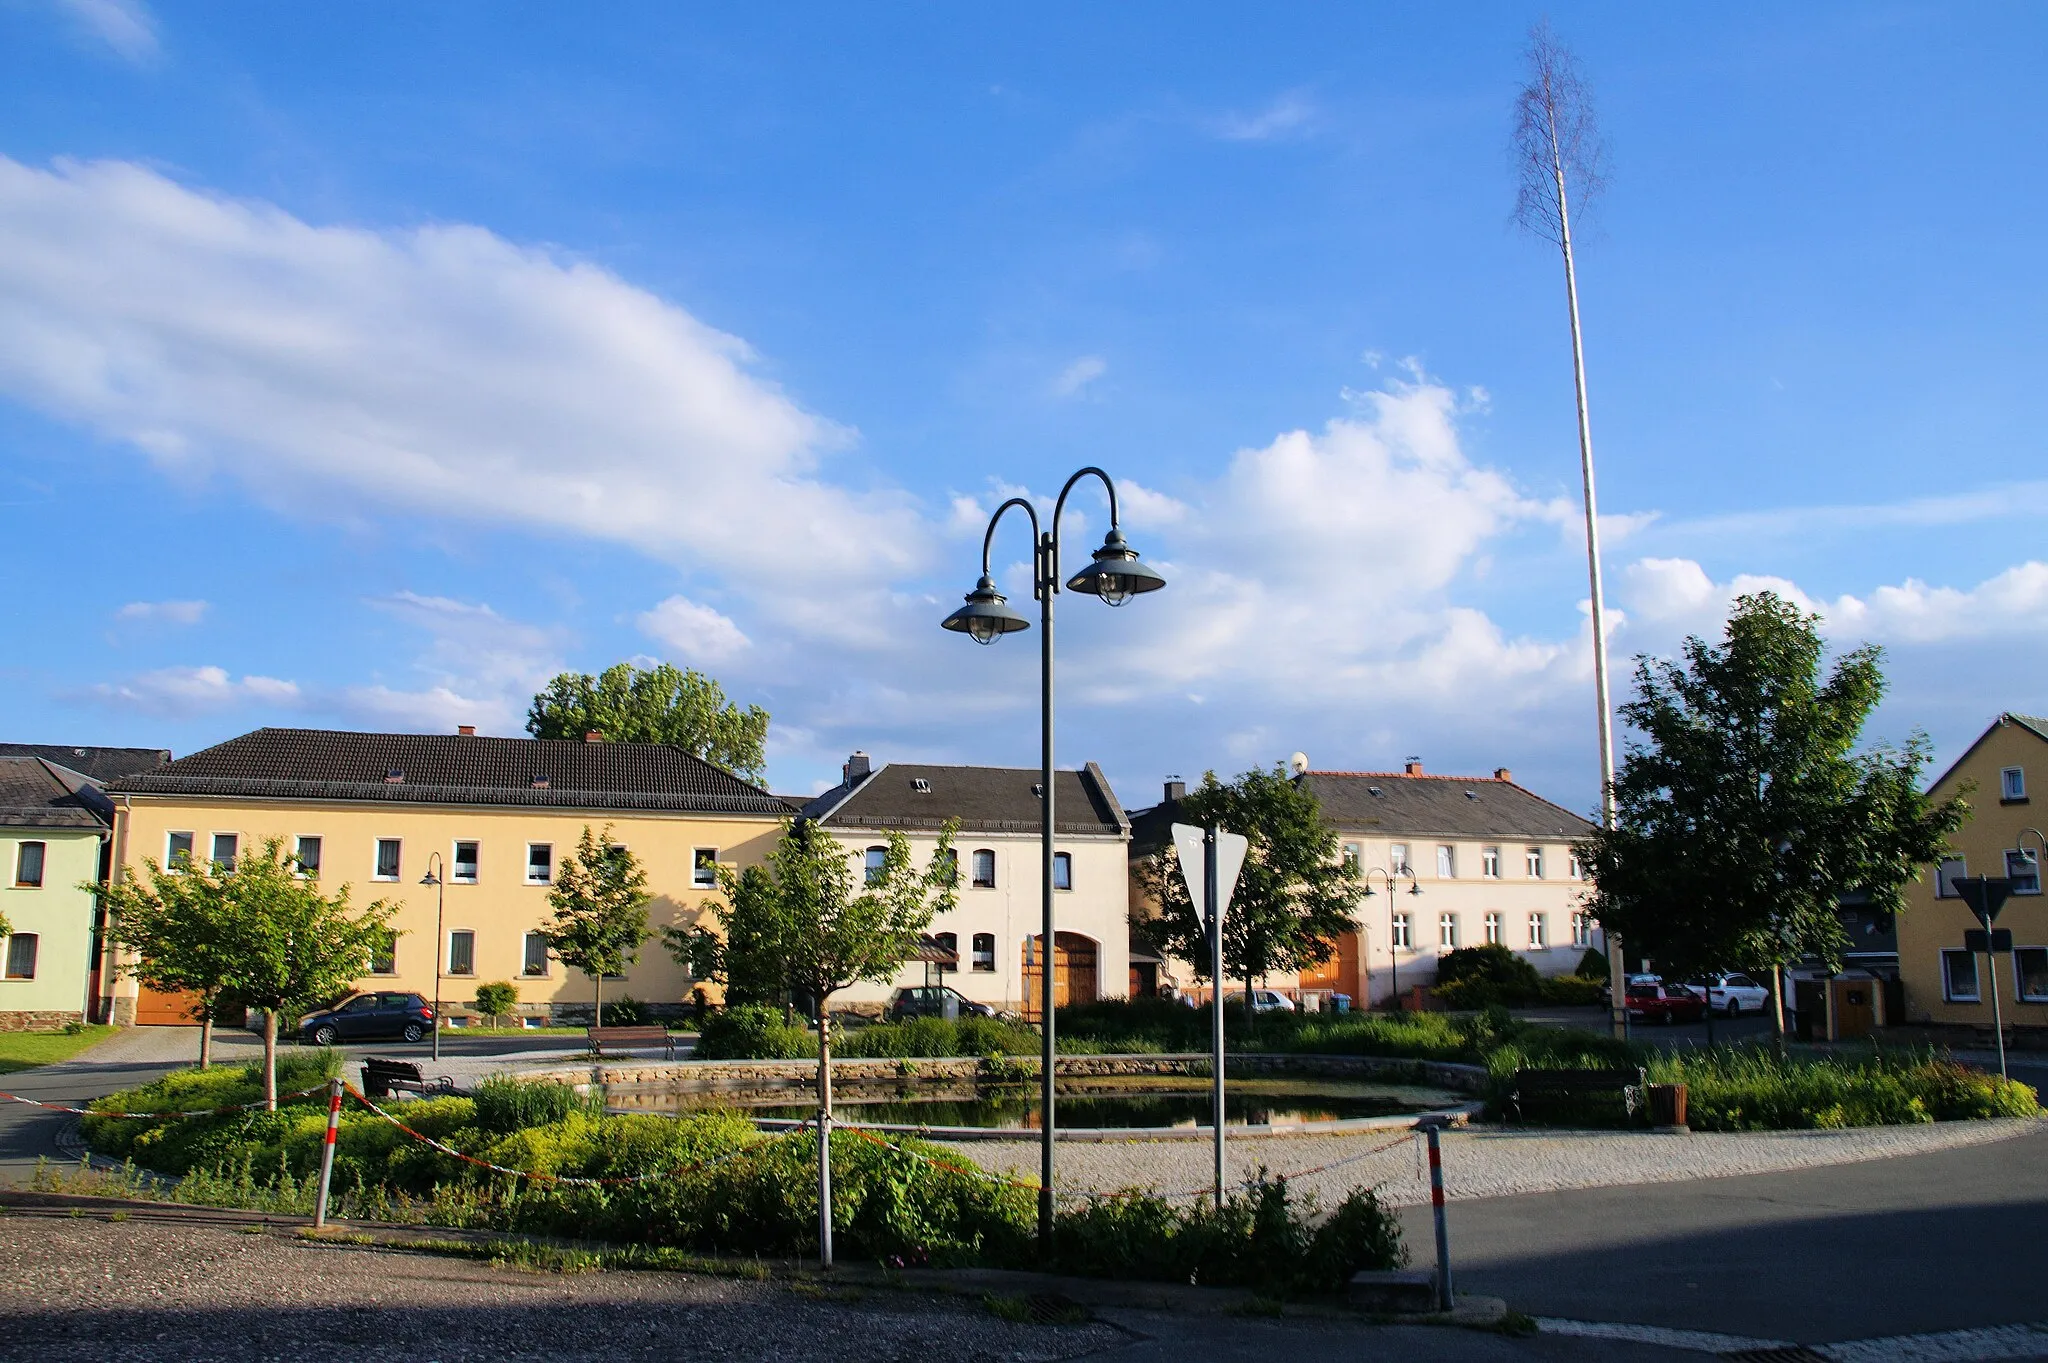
{"x":1944,"y":1241}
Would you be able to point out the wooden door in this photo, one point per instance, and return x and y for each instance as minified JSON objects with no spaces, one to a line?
{"x":1074,"y":974}
{"x":159,"y":1009}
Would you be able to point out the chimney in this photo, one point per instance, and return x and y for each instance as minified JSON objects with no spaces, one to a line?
{"x":857,"y":767}
{"x":1503,"y":774}
{"x":1176,"y":789}
{"x":466,"y":730}
{"x":1412,"y":767}
{"x":593,"y":736}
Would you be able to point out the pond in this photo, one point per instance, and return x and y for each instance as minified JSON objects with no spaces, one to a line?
{"x":1148,"y":1101}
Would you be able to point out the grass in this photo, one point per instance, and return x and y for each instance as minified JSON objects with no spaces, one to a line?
{"x":514,"y":1031}
{"x":26,"y":1050}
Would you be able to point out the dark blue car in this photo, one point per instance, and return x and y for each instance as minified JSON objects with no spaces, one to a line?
{"x":368,"y":1017}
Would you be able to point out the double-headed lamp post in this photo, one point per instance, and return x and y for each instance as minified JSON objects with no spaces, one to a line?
{"x":1393,"y":947}
{"x":435,"y":878}
{"x":1115,"y":575}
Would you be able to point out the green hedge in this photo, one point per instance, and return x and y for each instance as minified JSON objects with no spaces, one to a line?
{"x":1743,"y":1088}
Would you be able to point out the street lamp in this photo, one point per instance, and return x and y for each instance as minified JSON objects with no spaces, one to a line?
{"x":1115,"y":575}
{"x":433,"y":877}
{"x":1393,"y":956}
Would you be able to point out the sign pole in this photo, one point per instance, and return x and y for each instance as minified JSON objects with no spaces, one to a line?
{"x":1212,"y":910}
{"x":1991,"y":982}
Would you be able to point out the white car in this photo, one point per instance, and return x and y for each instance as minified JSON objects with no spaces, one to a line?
{"x":1263,"y":1001}
{"x":1733,"y":994}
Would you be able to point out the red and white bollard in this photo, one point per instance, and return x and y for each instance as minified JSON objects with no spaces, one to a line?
{"x":1436,"y":1203}
{"x":334,"y":1130}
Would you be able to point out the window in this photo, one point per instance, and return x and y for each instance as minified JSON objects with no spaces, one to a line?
{"x":1489,"y":863}
{"x":1945,"y":877}
{"x":1493,"y":929}
{"x":1539,"y":932}
{"x":534,"y":960}
{"x":985,"y":952}
{"x":384,"y":954}
{"x":1398,"y":930}
{"x":1582,"y":929}
{"x":984,"y":869}
{"x":703,"y":867}
{"x":1447,"y":931}
{"x":1397,"y":853}
{"x":540,"y":863}
{"x":225,"y":845}
{"x":21,"y":956}
{"x":1959,"y":976}
{"x":307,"y":854}
{"x":1354,"y":856}
{"x":952,"y":864}
{"x":1573,"y":869}
{"x":2023,"y":868}
{"x":2012,"y":784}
{"x":28,"y":865}
{"x":877,"y":864}
{"x":387,"y":859}
{"x":1532,"y":863}
{"x":462,"y":952}
{"x":177,"y":849}
{"x":2030,"y":974}
{"x":949,"y":942}
{"x":1063,"y":870}
{"x":465,"y":863}
{"x":1446,"y":863}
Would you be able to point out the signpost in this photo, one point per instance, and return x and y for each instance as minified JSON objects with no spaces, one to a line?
{"x":1215,"y":857}
{"x":1986,"y":895}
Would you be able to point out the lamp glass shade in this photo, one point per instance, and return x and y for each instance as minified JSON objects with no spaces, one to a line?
{"x":986,"y":617}
{"x":1117,"y":574}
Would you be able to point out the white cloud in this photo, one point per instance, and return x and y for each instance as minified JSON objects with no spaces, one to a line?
{"x":162,"y":612}
{"x":698,"y":635}
{"x":341,"y":367}
{"x":1072,"y":380}
{"x":438,"y":709}
{"x":1288,"y":115}
{"x":126,"y":26}
{"x":185,"y":691}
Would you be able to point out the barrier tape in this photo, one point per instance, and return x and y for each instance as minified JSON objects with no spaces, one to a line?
{"x":161,"y":1116}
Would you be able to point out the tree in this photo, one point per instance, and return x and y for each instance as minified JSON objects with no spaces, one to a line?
{"x":659,"y":704}
{"x":260,"y":935}
{"x":1744,"y":813}
{"x":175,"y":922}
{"x":1294,"y":896}
{"x":496,"y":1000}
{"x":1560,"y":160}
{"x":600,"y":903}
{"x":746,"y":952}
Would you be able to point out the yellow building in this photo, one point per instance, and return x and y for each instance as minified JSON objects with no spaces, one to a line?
{"x":1945,"y":983}
{"x":488,"y":818}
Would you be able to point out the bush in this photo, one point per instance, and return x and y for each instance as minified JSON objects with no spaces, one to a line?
{"x":1572,"y":991}
{"x":504,"y":1104}
{"x":625,"y":1012}
{"x":1593,"y":965}
{"x":753,"y":1032}
{"x":1748,"y":1088}
{"x":1491,"y":974}
{"x":496,"y":1000}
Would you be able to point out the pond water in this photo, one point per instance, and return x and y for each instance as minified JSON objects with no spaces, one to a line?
{"x":1132,"y":1103}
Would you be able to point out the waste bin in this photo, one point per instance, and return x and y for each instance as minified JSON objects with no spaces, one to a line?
{"x":1667,"y":1105}
{"x":1340,"y":1003}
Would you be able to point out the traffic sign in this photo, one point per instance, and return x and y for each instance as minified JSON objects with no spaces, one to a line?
{"x":1995,"y":941}
{"x":1230,"y":849}
{"x":1985,"y":895}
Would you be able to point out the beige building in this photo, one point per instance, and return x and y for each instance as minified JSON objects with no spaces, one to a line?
{"x":490,"y":818}
{"x":995,"y":931}
{"x":1944,"y":983}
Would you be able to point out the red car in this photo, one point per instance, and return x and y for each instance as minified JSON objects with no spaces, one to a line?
{"x":1665,"y":1003}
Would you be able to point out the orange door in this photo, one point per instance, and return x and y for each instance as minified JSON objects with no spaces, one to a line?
{"x":1073,"y":976}
{"x":157,"y":1009}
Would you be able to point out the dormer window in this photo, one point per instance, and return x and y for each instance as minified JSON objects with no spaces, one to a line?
{"x":394,"y":777}
{"x":540,"y":783}
{"x":1376,"y":791}
{"x":920,"y":785}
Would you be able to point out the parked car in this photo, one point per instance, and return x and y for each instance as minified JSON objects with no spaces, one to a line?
{"x":367,"y":1017}
{"x":1263,"y":1001}
{"x":930,"y":1001}
{"x":1665,"y":1003}
{"x":1733,"y":994}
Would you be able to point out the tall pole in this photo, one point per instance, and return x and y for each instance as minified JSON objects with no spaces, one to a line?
{"x":437,"y":869}
{"x":1048,"y":584}
{"x":1991,"y":970}
{"x":1212,"y":899}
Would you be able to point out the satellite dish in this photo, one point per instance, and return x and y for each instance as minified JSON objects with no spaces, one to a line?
{"x":1297,"y":764}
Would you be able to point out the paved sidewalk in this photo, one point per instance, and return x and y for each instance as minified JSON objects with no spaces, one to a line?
{"x":132,"y":1056}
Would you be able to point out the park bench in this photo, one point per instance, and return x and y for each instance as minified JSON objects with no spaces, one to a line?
{"x":1532,"y":1084}
{"x":382,"y":1078}
{"x":617,"y":1039}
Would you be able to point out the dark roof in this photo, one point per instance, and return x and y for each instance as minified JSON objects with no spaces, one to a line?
{"x":983,"y":799}
{"x":101,"y":764}
{"x":2036,"y":726}
{"x":1407,"y":806}
{"x":35,"y":793}
{"x":455,"y":769}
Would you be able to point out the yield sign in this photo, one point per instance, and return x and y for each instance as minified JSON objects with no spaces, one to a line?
{"x":1191,"y":843}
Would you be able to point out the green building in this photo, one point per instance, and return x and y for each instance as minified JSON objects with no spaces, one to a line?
{"x":55,"y":828}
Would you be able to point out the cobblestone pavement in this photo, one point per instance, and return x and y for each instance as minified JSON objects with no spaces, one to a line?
{"x":1479,"y":1161}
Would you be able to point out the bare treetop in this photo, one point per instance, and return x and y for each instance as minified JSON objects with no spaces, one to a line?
{"x":1559,"y":158}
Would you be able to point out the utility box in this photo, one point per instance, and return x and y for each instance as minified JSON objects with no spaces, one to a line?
{"x":1856,"y":1007}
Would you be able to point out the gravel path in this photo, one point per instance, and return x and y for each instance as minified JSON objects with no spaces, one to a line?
{"x":1480,"y":1161}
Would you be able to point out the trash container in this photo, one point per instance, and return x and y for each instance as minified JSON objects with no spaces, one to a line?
{"x":1340,"y":1003}
{"x":1667,"y":1105}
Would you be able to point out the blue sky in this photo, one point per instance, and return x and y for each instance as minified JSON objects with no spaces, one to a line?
{"x":364,"y":367}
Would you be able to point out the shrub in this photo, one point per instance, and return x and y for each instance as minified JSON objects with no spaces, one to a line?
{"x":753,"y":1032}
{"x":624,"y":1012}
{"x":1572,"y":991}
{"x":504,"y":1104}
{"x":496,"y":1000}
{"x":1593,"y":965}
{"x":1485,"y":975}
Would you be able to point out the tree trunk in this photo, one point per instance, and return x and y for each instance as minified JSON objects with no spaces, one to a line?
{"x":270,"y":1058}
{"x":206,"y":1039}
{"x":1778,"y":1001}
{"x":1251,"y":1002}
{"x":597,"y":984}
{"x":824,"y":1133}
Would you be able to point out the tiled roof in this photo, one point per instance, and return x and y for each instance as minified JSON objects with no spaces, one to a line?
{"x":1439,"y":806}
{"x":983,"y":799}
{"x":2034,"y":722}
{"x":38,"y":794}
{"x":101,"y":764}
{"x":455,"y":769}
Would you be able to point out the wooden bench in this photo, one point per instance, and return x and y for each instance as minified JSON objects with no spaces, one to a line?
{"x":382,"y":1078}
{"x":616,"y":1039}
{"x":1532,"y":1084}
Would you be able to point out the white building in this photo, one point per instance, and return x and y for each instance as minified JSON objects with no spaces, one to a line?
{"x":995,"y":928}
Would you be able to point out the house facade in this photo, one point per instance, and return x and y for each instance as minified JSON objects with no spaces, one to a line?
{"x":1493,"y":862}
{"x":55,"y":826}
{"x":1999,"y":776}
{"x":490,"y":818}
{"x":995,"y":931}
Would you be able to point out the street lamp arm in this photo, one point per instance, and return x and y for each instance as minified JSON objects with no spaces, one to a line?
{"x":1053,"y":569}
{"x":988,"y":537}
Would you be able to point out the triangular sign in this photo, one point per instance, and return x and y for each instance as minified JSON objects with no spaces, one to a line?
{"x":1230,"y":851}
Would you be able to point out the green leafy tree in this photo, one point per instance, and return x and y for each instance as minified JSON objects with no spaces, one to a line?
{"x":659,"y":704}
{"x":745,"y":951}
{"x":494,"y":1001}
{"x":174,"y":919}
{"x":1293,"y":898}
{"x":1745,"y":811}
{"x":599,"y":900}
{"x":259,"y":935}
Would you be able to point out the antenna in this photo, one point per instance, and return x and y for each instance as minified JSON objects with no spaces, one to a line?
{"x":1297,"y":765}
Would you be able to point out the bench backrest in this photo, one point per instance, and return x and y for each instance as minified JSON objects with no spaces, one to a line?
{"x":391,"y":1069}
{"x":626,"y":1036}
